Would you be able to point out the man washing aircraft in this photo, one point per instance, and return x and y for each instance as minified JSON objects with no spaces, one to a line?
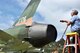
{"x":75,"y":23}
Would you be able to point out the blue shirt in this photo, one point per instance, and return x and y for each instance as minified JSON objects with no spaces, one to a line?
{"x":75,"y":26}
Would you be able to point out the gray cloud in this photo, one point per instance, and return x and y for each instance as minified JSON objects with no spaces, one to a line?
{"x":54,"y":10}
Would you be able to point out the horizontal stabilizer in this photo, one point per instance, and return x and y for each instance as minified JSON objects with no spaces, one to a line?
{"x":12,"y":43}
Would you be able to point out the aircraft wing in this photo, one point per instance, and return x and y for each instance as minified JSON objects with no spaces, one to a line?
{"x":26,"y":17}
{"x":12,"y":42}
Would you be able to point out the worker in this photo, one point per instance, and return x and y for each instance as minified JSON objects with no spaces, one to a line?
{"x":75,"y":25}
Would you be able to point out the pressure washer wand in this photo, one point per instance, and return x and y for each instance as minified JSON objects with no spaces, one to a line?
{"x":64,"y":32}
{"x":65,"y":29}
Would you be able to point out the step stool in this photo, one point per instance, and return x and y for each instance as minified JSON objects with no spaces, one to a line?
{"x":67,"y":41}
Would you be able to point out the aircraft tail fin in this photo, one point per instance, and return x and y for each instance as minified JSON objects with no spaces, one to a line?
{"x":26,"y":17}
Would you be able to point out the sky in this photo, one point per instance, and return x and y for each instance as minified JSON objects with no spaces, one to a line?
{"x":48,"y":11}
